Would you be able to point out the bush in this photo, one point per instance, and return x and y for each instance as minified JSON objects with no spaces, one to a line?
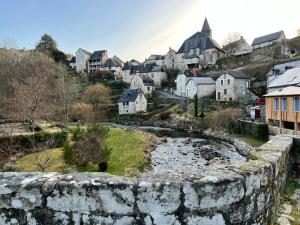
{"x":164,"y":115}
{"x":89,"y":147}
{"x":39,"y":139}
{"x":225,"y":119}
{"x":68,"y":153}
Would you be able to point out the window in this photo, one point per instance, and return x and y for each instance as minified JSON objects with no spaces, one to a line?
{"x":225,"y":91}
{"x":221,"y":82}
{"x":148,"y":88}
{"x":228,"y":81}
{"x":284,"y":104}
{"x":276,"y":104}
{"x":296,"y":104}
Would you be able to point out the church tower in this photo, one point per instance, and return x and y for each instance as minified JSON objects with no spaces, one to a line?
{"x":206,"y":28}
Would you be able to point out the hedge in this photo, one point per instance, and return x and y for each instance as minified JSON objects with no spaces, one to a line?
{"x":39,"y":139}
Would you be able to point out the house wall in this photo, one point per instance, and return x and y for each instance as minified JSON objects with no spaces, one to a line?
{"x":137,"y":82}
{"x":248,"y":195}
{"x":81,"y":60}
{"x":157,"y":77}
{"x":139,"y":105}
{"x":289,"y":116}
{"x":236,"y":90}
{"x":191,"y":89}
{"x":124,"y":109}
{"x":181,"y":85}
{"x":210,"y":56}
{"x":205,"y":89}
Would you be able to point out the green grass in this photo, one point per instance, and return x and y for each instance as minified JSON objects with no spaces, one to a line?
{"x":126,"y":159}
{"x":251,"y":140}
{"x":29,"y":163}
{"x":127,"y":151}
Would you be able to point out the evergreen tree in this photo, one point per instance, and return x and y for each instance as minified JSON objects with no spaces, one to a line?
{"x":196,"y":105}
{"x":47,"y":43}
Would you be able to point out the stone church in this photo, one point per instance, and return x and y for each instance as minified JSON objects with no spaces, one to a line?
{"x":198,"y":51}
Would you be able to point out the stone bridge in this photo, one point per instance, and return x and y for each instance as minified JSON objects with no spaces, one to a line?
{"x":247,"y":195}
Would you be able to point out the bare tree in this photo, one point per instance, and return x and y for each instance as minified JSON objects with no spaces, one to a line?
{"x":69,"y":93}
{"x":34,"y":87}
{"x":99,"y":96}
{"x":231,"y":37}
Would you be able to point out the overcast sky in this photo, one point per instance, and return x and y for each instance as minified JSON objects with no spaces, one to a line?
{"x":138,"y":28}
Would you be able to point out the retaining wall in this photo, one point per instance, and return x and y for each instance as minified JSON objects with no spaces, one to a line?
{"x":247,"y":195}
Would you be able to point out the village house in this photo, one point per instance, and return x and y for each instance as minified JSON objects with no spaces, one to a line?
{"x":144,"y":83}
{"x":155,"y":59}
{"x":96,"y":61}
{"x":156,"y":73}
{"x":232,"y":86}
{"x":181,"y":81}
{"x":82,"y":56}
{"x":202,"y":86}
{"x":131,"y":102}
{"x":289,"y":78}
{"x":127,"y":69}
{"x":268,"y":40}
{"x":237,"y":48}
{"x":280,"y":69}
{"x":115,"y":65}
{"x":282,"y":109}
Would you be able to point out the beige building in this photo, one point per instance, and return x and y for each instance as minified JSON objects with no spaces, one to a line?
{"x":233,"y":86}
{"x":283,"y":110}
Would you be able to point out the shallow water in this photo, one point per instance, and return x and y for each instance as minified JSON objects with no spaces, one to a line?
{"x":183,"y":151}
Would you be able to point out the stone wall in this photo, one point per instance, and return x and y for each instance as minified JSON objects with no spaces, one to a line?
{"x":247,"y":195}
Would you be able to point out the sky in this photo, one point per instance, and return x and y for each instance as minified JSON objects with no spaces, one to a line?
{"x":138,"y":28}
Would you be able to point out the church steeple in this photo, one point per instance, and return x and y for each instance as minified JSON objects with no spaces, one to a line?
{"x":206,"y":28}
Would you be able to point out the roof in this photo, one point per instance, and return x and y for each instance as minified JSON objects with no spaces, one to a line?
{"x":289,"y":78}
{"x":282,"y":68}
{"x":288,"y":91}
{"x":238,"y":47}
{"x":156,"y":57}
{"x":202,"y":40}
{"x":199,"y":40}
{"x":158,"y":69}
{"x":202,"y":80}
{"x":267,"y":38}
{"x":129,"y":95}
{"x":205,"y":27}
{"x":113,"y":62}
{"x":97,"y":55}
{"x":143,"y":68}
{"x":147,"y":81}
{"x":85,"y":51}
{"x":237,"y":74}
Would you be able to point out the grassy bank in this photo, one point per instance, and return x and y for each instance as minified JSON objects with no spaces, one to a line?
{"x":127,"y":156}
{"x":251,"y":140}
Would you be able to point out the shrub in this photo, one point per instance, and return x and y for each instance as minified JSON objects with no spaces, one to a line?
{"x":164,"y":115}
{"x":68,"y":153}
{"x":225,"y":119}
{"x":202,"y":115}
{"x":89,"y":146}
